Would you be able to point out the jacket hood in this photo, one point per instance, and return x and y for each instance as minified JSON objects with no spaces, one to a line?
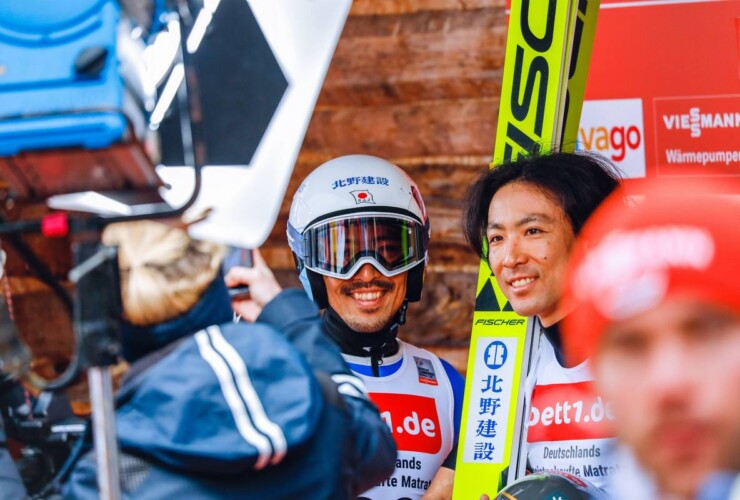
{"x":213,"y":307}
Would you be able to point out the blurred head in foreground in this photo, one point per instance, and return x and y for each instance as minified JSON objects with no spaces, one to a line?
{"x":163,"y":270}
{"x":164,"y":273}
{"x":657,"y":306}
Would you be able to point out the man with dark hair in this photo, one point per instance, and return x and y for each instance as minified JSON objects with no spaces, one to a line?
{"x":528,"y":213}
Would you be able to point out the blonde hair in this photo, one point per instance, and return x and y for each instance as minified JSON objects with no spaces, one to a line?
{"x":163,"y":270}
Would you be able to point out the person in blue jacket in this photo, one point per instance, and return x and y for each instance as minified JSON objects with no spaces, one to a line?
{"x":216,"y":409}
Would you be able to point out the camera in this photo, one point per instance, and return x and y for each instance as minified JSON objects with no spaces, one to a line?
{"x":44,"y":428}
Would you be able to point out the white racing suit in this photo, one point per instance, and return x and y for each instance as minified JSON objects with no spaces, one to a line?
{"x":420,"y":398}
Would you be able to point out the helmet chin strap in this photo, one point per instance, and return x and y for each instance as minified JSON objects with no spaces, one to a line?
{"x":400,"y":318}
{"x":375,"y":345}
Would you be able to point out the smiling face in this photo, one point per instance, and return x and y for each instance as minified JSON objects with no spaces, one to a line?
{"x":672,"y":374}
{"x":368,"y":300}
{"x":529,"y":240}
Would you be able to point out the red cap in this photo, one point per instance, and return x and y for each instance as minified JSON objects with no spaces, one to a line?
{"x":681,"y":240}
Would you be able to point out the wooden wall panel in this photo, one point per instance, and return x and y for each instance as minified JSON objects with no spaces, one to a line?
{"x":379,"y":7}
{"x":413,"y":57}
{"x":414,"y":81}
{"x":41,"y":319}
{"x":450,"y":127}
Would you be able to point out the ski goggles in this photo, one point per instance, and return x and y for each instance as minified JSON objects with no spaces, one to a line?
{"x":339,"y":247}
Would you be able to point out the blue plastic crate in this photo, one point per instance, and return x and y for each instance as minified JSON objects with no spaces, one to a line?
{"x":48,"y":98}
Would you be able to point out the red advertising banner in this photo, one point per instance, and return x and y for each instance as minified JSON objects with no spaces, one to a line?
{"x":698,"y":132}
{"x":413,"y":421}
{"x":568,"y":412}
{"x":663,"y":90}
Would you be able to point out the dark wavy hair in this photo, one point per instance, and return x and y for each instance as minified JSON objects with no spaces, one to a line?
{"x":578,"y":182}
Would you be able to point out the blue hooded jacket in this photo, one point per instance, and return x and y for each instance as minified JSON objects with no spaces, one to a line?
{"x":214,"y":409}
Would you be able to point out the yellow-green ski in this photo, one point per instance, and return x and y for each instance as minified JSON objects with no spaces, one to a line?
{"x":547,"y":52}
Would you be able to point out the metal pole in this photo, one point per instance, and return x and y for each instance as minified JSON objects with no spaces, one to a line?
{"x":104,"y":432}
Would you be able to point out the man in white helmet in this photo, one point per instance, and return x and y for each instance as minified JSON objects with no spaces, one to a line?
{"x":359,"y":233}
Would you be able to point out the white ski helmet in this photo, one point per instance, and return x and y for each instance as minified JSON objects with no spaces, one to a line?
{"x":354,"y":210}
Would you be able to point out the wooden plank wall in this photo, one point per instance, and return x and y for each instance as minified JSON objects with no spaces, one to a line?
{"x":414,"y":81}
{"x":417,"y":83}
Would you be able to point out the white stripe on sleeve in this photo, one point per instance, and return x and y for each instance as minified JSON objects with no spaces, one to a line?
{"x":350,"y":380}
{"x":234,"y":401}
{"x":248,"y":393}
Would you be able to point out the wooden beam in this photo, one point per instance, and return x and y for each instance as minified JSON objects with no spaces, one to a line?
{"x":381,"y":7}
{"x":441,"y":23}
{"x":41,"y":319}
{"x":421,"y":56}
{"x":447,"y":257}
{"x":445,"y":313}
{"x":450,"y":127}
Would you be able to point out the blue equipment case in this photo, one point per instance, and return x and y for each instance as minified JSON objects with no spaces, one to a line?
{"x":62,"y":125}
{"x":59,"y":80}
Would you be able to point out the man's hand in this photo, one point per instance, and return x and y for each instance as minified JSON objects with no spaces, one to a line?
{"x":263,"y":287}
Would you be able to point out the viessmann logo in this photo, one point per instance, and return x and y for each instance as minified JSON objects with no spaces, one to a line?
{"x":697,"y":120}
{"x":696,"y":132}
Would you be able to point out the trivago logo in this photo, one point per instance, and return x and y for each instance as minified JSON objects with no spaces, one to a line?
{"x":614,"y":141}
{"x":413,"y":421}
{"x":614,"y":128}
